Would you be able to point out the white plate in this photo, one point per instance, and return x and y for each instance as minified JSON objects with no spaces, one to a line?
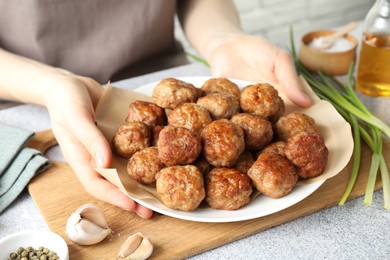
{"x":338,"y":139}
{"x":35,"y":239}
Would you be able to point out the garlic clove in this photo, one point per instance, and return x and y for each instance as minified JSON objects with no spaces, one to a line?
{"x":130,"y":245}
{"x":87,"y":225}
{"x":93,"y":213}
{"x":88,"y":233}
{"x":136,"y":247}
{"x":144,"y":250}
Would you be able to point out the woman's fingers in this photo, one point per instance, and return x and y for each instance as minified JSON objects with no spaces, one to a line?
{"x":92,"y":139}
{"x":80,"y":161}
{"x":101,"y":189}
{"x":288,"y":80}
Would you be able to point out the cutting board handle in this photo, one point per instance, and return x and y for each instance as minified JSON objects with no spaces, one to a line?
{"x":42,"y":140}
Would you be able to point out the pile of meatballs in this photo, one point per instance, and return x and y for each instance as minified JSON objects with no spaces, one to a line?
{"x":218,"y":144}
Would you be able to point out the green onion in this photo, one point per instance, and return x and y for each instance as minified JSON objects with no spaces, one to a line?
{"x":365,"y":125}
{"x":356,"y":162}
{"x":198,"y":59}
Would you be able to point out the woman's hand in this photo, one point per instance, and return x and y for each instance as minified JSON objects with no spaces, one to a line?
{"x":233,"y":53}
{"x":71,"y":102}
{"x":255,"y":59}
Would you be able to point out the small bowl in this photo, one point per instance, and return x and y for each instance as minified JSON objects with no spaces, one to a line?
{"x":35,"y":239}
{"x":332,"y":63}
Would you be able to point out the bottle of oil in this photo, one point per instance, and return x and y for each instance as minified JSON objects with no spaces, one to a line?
{"x":373,"y":76}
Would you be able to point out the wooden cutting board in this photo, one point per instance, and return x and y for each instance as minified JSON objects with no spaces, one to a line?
{"x":57,"y":193}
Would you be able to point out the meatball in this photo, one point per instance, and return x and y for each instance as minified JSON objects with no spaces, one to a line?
{"x":257,"y":131}
{"x":178,"y":145}
{"x":190,"y":116}
{"x":221,"y":85}
{"x":155,"y":134}
{"x":220,"y":105}
{"x":260,"y":99}
{"x":146,"y":112}
{"x":244,"y":162}
{"x":308,"y":152}
{"x":273,"y":175}
{"x":180,"y":187}
{"x":280,"y":113}
{"x":171,"y":93}
{"x":276,"y":147}
{"x":223,"y":142}
{"x":227,"y":189}
{"x":203,"y":165}
{"x":293,"y":123}
{"x":130,"y":138}
{"x":144,"y":165}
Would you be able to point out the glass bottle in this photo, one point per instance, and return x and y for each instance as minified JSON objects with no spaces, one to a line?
{"x":373,"y":76}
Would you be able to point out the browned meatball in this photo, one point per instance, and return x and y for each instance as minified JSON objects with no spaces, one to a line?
{"x":227,"y":189}
{"x":257,"y":131}
{"x":180,"y":187}
{"x":144,"y":165}
{"x":171,"y":93}
{"x":220,"y":85}
{"x":190,"y":116}
{"x":244,"y":162}
{"x":223,"y":142}
{"x":220,"y":105}
{"x":280,"y":113}
{"x":146,"y":112}
{"x":178,"y":145}
{"x":155,"y":134}
{"x":130,"y":138}
{"x":260,"y":99}
{"x":203,"y":165}
{"x":293,"y":123}
{"x":308,"y":152}
{"x":276,"y":147}
{"x":273,"y":175}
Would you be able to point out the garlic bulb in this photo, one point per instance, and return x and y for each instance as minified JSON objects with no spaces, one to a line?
{"x":87,"y":225}
{"x":136,"y":247}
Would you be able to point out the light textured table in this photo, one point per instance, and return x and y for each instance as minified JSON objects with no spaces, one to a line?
{"x":341,"y":232}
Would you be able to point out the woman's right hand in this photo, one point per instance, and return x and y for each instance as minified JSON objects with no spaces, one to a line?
{"x":71,"y":101}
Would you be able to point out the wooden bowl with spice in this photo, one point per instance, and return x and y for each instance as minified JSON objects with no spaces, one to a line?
{"x":334,"y":60}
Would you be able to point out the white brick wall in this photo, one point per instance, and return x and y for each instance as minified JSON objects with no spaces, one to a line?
{"x":272,"y":18}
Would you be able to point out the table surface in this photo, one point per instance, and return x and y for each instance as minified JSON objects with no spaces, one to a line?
{"x":342,"y":232}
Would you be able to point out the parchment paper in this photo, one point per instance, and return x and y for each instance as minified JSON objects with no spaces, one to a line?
{"x":112,"y":111}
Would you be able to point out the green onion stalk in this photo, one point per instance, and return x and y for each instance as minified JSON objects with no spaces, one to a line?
{"x":364,"y":125}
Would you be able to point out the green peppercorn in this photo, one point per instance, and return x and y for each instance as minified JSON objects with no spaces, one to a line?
{"x":29,"y":253}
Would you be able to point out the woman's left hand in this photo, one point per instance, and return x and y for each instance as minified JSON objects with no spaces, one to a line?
{"x":255,"y":59}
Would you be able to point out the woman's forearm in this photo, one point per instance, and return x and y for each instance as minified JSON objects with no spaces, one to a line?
{"x":20,"y":78}
{"x":206,"y":21}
